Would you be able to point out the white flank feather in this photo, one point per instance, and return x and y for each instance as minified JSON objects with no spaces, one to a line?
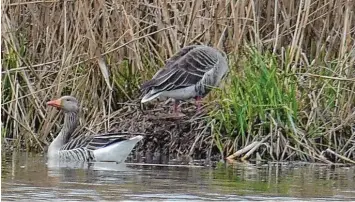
{"x":117,"y":152}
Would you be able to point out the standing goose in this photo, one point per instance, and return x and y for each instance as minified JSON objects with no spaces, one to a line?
{"x":102,"y":147}
{"x":190,"y":73}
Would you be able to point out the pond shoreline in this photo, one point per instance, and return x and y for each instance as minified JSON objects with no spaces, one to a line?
{"x":186,"y":137}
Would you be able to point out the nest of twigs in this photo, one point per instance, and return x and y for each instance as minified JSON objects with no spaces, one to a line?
{"x":169,"y":137}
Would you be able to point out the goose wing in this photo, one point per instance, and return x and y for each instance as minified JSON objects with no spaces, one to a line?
{"x":94,"y":142}
{"x":184,"y":69}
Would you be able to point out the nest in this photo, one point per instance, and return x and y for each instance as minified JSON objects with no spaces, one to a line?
{"x":169,"y":137}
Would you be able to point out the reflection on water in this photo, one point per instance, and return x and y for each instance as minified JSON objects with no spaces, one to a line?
{"x":29,"y":176}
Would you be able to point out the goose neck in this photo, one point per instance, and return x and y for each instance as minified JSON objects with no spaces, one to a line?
{"x":70,"y":123}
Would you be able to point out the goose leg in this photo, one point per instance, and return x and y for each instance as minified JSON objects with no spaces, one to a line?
{"x":176,"y":106}
{"x":177,"y":111}
{"x":198,"y":103}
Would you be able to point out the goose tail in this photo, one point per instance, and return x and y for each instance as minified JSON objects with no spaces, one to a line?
{"x":117,"y":152}
{"x":149,"y":96}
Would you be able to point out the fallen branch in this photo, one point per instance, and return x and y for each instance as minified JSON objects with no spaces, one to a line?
{"x":340,"y":156}
{"x":256,"y":147}
{"x":242,"y":151}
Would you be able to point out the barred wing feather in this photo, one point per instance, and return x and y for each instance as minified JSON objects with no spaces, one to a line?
{"x":93,"y":142}
{"x":184,"y":69}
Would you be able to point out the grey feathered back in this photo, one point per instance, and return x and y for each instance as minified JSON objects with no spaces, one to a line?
{"x":82,"y":147}
{"x":192,"y":65}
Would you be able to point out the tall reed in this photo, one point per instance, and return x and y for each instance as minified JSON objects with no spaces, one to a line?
{"x":101,"y":51}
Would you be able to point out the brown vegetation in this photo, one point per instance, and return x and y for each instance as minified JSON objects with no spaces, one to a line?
{"x":52,"y":48}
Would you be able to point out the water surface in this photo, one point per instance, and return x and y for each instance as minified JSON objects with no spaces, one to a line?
{"x":29,"y":176}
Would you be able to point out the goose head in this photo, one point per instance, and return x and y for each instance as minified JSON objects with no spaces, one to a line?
{"x":66,"y":103}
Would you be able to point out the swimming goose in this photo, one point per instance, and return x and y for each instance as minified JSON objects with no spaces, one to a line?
{"x":102,"y":147}
{"x":190,"y":73}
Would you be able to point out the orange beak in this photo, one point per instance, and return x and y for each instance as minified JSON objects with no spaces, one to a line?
{"x":55,"y":103}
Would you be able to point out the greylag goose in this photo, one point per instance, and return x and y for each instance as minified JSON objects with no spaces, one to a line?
{"x":190,"y":73}
{"x":102,"y":147}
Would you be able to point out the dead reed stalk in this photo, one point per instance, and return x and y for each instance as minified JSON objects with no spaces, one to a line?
{"x":52,"y":48}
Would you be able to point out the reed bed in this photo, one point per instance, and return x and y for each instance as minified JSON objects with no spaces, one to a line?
{"x":289,"y":94}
